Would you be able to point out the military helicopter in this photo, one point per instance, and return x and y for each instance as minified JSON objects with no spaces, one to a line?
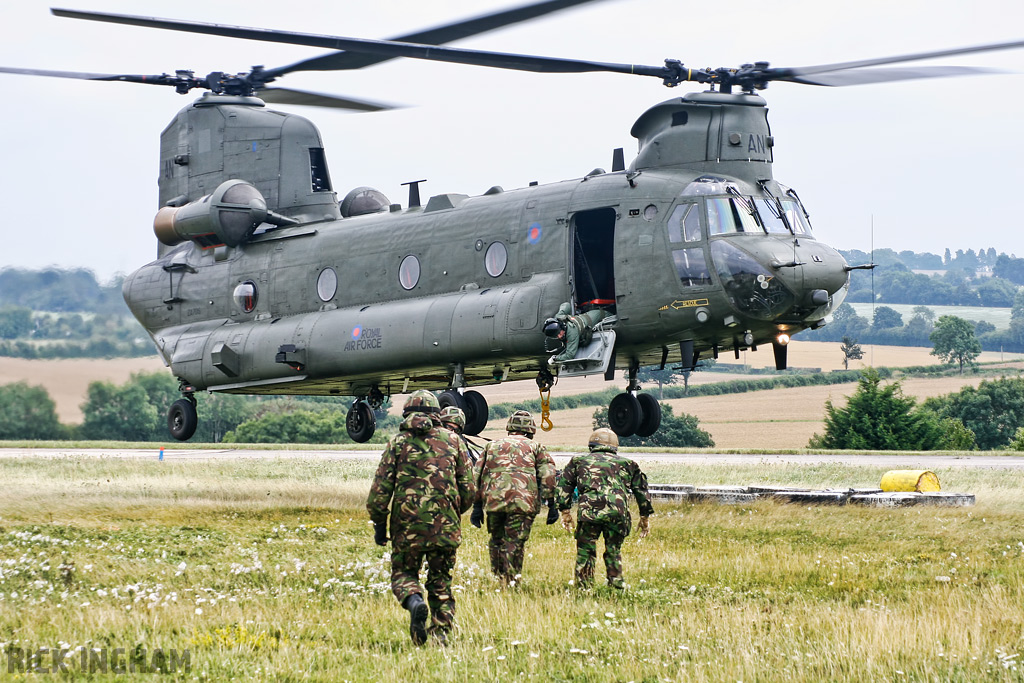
{"x":266,"y":283}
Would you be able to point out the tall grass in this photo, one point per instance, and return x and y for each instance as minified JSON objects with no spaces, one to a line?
{"x":266,"y":569}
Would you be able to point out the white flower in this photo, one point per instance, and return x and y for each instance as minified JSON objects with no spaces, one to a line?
{"x":181,"y":567}
{"x":199,"y":610}
{"x":942,"y":579}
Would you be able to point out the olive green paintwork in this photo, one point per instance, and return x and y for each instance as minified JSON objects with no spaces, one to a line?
{"x":373,"y":332}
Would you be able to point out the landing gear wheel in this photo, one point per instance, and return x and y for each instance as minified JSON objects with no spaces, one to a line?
{"x":453,"y":398}
{"x":476,"y":412}
{"x":624,"y":414}
{"x":651,"y":415}
{"x":360,"y":422}
{"x":182,"y":419}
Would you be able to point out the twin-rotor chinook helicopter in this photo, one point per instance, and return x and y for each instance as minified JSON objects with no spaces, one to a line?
{"x":266,"y":284}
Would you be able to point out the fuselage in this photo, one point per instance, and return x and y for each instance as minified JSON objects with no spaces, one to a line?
{"x":688,"y":256}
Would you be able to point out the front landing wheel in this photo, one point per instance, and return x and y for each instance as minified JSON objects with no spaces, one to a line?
{"x":182,"y":419}
{"x":360,"y":422}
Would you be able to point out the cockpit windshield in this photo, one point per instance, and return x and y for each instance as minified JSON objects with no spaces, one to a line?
{"x":771,"y":216}
{"x":730,"y":214}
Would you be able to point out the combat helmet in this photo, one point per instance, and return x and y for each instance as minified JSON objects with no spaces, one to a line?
{"x":421,"y":401}
{"x":552,"y":327}
{"x":521,"y":421}
{"x":453,"y":418}
{"x":604,"y":439}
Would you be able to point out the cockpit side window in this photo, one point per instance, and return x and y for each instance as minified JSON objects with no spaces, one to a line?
{"x":684,"y":224}
{"x":796,"y":217}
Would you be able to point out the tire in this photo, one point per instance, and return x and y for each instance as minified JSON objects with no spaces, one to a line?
{"x":476,"y":412}
{"x":360,"y":422}
{"x":182,"y":419}
{"x":453,"y":398}
{"x":624,"y":414}
{"x":650,"y":410}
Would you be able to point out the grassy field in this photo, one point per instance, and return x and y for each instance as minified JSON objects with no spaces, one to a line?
{"x":266,"y":570}
{"x":1000,"y":317}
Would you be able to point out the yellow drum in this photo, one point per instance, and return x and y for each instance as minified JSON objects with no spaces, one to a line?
{"x":920,"y":481}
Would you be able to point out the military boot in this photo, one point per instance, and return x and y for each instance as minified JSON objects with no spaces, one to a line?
{"x":418,"y":614}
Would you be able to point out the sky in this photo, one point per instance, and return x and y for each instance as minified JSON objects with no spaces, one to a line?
{"x":921,"y":165}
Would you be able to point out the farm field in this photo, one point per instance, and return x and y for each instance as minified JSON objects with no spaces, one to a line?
{"x":266,"y":570}
{"x":1000,"y":317}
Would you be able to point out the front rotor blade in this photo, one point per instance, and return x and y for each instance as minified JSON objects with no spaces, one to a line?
{"x":313,"y":99}
{"x":840,"y":66}
{"x":500,"y":60}
{"x":162,"y":79}
{"x":338,"y":61}
{"x":866,"y":76}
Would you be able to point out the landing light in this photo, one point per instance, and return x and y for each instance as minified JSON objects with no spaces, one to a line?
{"x":783,"y":339}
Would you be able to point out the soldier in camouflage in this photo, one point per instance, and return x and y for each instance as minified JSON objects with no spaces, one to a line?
{"x":513,"y":475}
{"x":426,"y":480}
{"x":453,"y":419}
{"x":604,"y":481}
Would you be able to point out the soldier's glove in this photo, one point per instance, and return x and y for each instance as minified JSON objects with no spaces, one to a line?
{"x":552,"y":512}
{"x":476,"y":518}
{"x":567,"y":522}
{"x":551,"y":361}
{"x":645,"y":526}
{"x":380,"y":533}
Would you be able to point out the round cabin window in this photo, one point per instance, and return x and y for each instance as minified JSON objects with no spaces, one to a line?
{"x":327,"y":284}
{"x":495,"y":259}
{"x":409,"y":272}
{"x":245,"y":296}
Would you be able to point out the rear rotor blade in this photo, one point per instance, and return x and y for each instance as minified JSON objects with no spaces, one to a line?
{"x":840,"y":66}
{"x":866,"y":76}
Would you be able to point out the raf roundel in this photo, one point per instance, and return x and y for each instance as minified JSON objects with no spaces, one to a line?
{"x":356,"y":331}
{"x":533,"y":235}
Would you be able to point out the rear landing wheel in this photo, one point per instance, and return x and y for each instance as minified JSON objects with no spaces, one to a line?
{"x":651,"y":415}
{"x":624,"y":414}
{"x":360,"y":422}
{"x":182,"y":419}
{"x":476,"y":412}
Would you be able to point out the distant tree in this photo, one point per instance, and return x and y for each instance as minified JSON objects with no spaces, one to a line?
{"x":1017,"y":318}
{"x":845,"y":321}
{"x":947,"y":258}
{"x":886,"y":317}
{"x":680,"y":432}
{"x":993,"y":411}
{"x":851,"y":351}
{"x":118,"y":413}
{"x":878,"y":417}
{"x":28,"y":412}
{"x":1010,"y":268}
{"x":15,"y":322}
{"x":955,"y":341}
{"x":1017,"y":444}
{"x":996,"y":291}
{"x":925,"y":312}
{"x":983,"y":327}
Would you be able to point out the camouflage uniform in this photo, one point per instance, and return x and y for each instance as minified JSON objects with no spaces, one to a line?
{"x":426,"y":479}
{"x":514,"y":474}
{"x":604,"y":481}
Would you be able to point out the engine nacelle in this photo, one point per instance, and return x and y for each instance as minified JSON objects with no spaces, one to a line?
{"x":228,"y":216}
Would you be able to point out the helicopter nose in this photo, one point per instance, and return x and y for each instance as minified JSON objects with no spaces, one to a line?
{"x":824,"y":269}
